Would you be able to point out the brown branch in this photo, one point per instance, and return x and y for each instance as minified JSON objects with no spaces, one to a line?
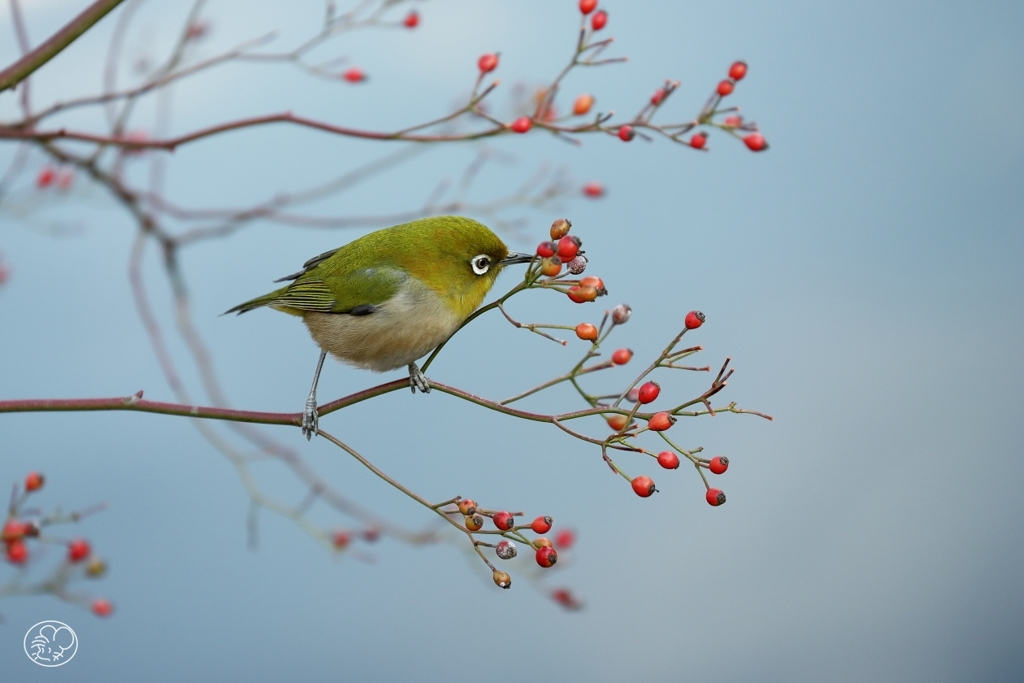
{"x":25,"y":66}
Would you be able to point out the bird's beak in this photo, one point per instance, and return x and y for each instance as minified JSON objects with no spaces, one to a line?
{"x":516,"y":257}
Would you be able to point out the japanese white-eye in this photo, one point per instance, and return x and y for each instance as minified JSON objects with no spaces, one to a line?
{"x":392,"y":296}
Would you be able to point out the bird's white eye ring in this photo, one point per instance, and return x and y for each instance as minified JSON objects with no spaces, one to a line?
{"x":481,"y":264}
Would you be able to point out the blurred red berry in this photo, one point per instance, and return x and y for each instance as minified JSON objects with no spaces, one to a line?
{"x":586,"y":332}
{"x":565,"y":538}
{"x":643,"y":486}
{"x":341,"y":539}
{"x":354,"y":75}
{"x":45,"y":177}
{"x":626,"y":133}
{"x":17,"y":552}
{"x":693,"y":320}
{"x":658,"y":97}
{"x":755,"y":142}
{"x":78,"y":550}
{"x":102,"y":608}
{"x":568,"y":247}
{"x":599,"y":20}
{"x":726,"y":87}
{"x":668,"y":460}
{"x":648,"y":392}
{"x":718,"y":464}
{"x":546,"y":557}
{"x":587,"y":6}
{"x":582,"y":104}
{"x":616,"y":422}
{"x":580,"y":295}
{"x":659,"y":422}
{"x":733,"y":121}
{"x":566,"y":599}
{"x":593,"y":190}
{"x":503,"y":520}
{"x":34,"y":481}
{"x":13,"y":530}
{"x":698,"y":140}
{"x":542,"y":543}
{"x":715,"y":497}
{"x":621,"y":356}
{"x":522,"y":124}
{"x":487,"y":62}
{"x":412,"y":19}
{"x":738,"y":70}
{"x":541,"y":525}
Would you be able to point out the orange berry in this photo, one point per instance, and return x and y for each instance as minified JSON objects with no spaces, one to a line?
{"x":560,"y":228}
{"x":34,"y":481}
{"x":586,"y":332}
{"x":542,"y":525}
{"x":551,"y":266}
{"x":474,"y":522}
{"x":622,"y":356}
{"x":467,"y":506}
{"x":581,"y":295}
{"x":595,"y":282}
{"x":582,"y":104}
{"x":542,"y":543}
{"x":616,"y":422}
{"x":659,"y":422}
{"x":102,"y":608}
{"x":502,"y":579}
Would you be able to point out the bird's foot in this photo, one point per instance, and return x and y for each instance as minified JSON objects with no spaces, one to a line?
{"x":310,"y":419}
{"x":417,"y":380}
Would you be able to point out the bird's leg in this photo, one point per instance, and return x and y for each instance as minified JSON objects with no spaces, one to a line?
{"x":417,"y":380}
{"x":309,"y":415}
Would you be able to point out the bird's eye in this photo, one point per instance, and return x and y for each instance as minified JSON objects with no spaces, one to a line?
{"x":481,"y":264}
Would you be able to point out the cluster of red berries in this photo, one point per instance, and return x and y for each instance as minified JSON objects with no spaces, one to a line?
{"x":566,"y":249}
{"x":600,"y":18}
{"x":15,"y":532}
{"x":62,"y":179}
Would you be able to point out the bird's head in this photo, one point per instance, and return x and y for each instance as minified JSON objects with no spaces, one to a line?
{"x":459,"y":258}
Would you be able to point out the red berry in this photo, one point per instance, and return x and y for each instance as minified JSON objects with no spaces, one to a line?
{"x":565,"y":538}
{"x":715,"y":497}
{"x":659,"y":422}
{"x":738,"y":70}
{"x":340,"y":539}
{"x":693,"y":320}
{"x":586,"y":332}
{"x":546,"y":557}
{"x":718,"y":464}
{"x":546,"y":249}
{"x":582,"y":104}
{"x":593,"y":190}
{"x":755,"y":142}
{"x":726,"y":87}
{"x":733,"y":121}
{"x":354,"y":75}
{"x":658,"y":97}
{"x":626,"y":133}
{"x":599,"y":20}
{"x":580,"y":295}
{"x":45,"y":177}
{"x":648,"y":392}
{"x":542,"y":525}
{"x":13,"y":531}
{"x":467,"y":506}
{"x":34,"y":481}
{"x":698,"y":140}
{"x":412,"y":19}
{"x":487,"y":62}
{"x":17,"y":552}
{"x":595,"y":282}
{"x":102,"y":608}
{"x":643,"y":486}
{"x":587,"y":6}
{"x":622,"y":356}
{"x":568,"y":247}
{"x":668,"y":460}
{"x":616,"y":422}
{"x":522,"y":124}
{"x":503,"y":520}
{"x":78,"y":550}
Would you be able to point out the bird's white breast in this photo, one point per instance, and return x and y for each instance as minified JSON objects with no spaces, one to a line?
{"x":405,"y":327}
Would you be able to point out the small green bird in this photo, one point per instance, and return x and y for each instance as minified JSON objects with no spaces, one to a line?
{"x":390,"y":297}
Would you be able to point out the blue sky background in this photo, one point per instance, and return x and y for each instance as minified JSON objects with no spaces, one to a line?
{"x":864,"y":275}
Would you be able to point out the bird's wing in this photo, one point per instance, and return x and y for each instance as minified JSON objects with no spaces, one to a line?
{"x":357,"y":292}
